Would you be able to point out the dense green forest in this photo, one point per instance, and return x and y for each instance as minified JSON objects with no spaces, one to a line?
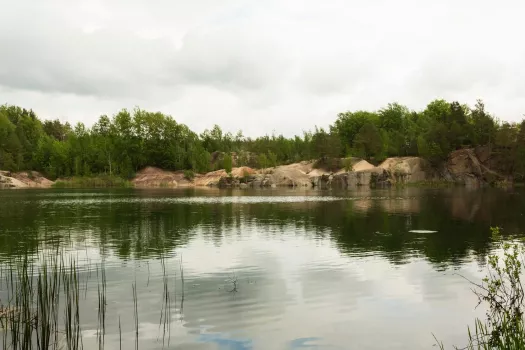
{"x":130,"y":140}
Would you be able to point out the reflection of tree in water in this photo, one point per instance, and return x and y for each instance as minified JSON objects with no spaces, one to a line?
{"x":377,"y":221}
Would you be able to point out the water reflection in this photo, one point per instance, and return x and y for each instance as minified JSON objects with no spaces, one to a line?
{"x":327,"y":270}
{"x":140,"y":224}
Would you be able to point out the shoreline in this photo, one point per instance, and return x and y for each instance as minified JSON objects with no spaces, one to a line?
{"x":463,"y":169}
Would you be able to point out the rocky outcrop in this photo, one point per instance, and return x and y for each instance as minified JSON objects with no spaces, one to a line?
{"x":220,"y":178}
{"x":25,"y":179}
{"x":375,"y":177}
{"x":464,"y":166}
{"x":408,"y":169}
{"x":6,"y":181}
{"x":293,"y":175}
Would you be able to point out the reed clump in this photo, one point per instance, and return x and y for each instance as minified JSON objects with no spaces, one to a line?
{"x":40,"y":304}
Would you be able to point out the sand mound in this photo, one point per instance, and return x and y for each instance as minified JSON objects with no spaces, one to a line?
{"x":24,"y":179}
{"x":362,"y":165}
{"x":210,"y":179}
{"x":155,"y":177}
{"x":242,"y":171}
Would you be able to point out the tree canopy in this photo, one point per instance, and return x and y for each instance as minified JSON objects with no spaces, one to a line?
{"x":130,"y":140}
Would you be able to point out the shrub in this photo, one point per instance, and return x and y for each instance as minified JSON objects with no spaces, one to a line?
{"x":189,"y":175}
{"x":272,"y":159}
{"x":348,"y":165}
{"x":262,"y":161}
{"x":503,"y":293}
{"x":245,"y":177}
{"x":330,"y":164}
{"x":227,"y":163}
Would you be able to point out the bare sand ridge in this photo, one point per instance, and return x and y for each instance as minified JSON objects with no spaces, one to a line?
{"x":24,"y":179}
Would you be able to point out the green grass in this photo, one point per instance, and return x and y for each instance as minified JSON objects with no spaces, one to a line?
{"x":99,"y":181}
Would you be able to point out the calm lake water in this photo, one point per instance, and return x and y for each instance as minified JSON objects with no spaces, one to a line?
{"x":269,"y":269}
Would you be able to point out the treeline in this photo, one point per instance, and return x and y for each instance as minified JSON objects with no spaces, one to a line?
{"x":130,"y":140}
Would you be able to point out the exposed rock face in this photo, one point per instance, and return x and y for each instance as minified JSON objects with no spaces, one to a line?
{"x":7,"y":181}
{"x":407,"y":169}
{"x":24,"y":179}
{"x":228,"y":182}
{"x":210,"y":179}
{"x":463,"y":166}
{"x":370,"y":178}
{"x":363,"y":174}
{"x":221,"y":179}
{"x":289,"y":176}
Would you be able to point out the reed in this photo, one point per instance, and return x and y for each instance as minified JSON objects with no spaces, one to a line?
{"x":41,"y":304}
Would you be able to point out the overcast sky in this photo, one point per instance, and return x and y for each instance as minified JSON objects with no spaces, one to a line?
{"x":259,"y":66}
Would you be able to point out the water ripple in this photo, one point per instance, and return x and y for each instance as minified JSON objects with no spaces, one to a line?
{"x":199,"y":200}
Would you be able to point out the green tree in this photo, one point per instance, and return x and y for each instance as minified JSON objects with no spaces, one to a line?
{"x":483,"y":125}
{"x":325,"y":145}
{"x":368,"y":141}
{"x":10,"y":148}
{"x":348,"y":124}
{"x":272,"y":159}
{"x":429,"y":150}
{"x":262,"y":161}
{"x":202,"y":161}
{"x":227,"y":163}
{"x":392,"y":117}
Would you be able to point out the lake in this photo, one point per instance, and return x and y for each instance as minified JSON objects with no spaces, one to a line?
{"x":267,"y":269}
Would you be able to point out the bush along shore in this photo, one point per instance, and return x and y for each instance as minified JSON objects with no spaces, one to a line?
{"x":503,"y":294}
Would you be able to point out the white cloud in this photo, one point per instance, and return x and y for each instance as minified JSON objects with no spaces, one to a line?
{"x":258,"y":66}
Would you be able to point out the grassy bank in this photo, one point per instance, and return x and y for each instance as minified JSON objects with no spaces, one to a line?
{"x":99,"y":181}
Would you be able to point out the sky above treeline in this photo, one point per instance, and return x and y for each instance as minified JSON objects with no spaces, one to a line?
{"x":259,"y":66}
